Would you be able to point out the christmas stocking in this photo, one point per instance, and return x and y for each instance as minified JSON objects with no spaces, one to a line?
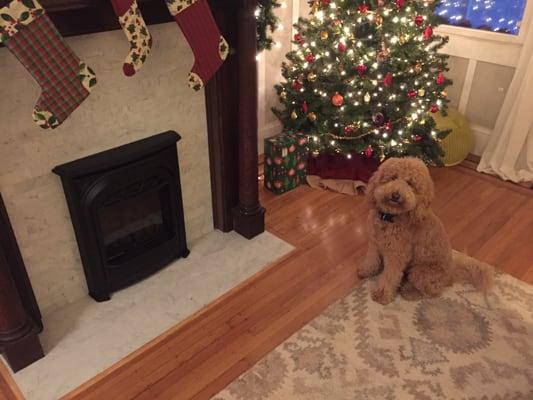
{"x":65,"y":82}
{"x":210,"y":49}
{"x":134,"y":28}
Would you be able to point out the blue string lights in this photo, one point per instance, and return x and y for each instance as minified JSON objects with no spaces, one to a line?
{"x":493,"y":15}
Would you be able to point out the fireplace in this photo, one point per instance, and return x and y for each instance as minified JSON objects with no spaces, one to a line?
{"x":126,"y":208}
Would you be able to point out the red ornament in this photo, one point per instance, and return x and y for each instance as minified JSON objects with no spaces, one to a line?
{"x":363,"y":8}
{"x":292,"y":148}
{"x":337,"y":100}
{"x":417,"y":138}
{"x":326,"y":2}
{"x":434,"y":108}
{"x":348,"y":130}
{"x":310,"y":57}
{"x":305,"y":107}
{"x":387,"y":81}
{"x":428,"y":33}
{"x":297,"y":37}
{"x":297,"y":85}
{"x":411,"y":94}
{"x":369,"y":151}
{"x":419,"y":20}
{"x":440,"y":78}
{"x":399,"y":3}
{"x":388,"y":126}
{"x":278,"y":160}
{"x":301,"y":165}
{"x":291,"y":172}
{"x":341,"y":47}
{"x":361,"y":69}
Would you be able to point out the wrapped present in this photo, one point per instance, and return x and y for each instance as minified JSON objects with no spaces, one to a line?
{"x":285,"y":161}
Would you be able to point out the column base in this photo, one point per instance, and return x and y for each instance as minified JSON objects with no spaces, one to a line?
{"x":248,"y":222}
{"x":23,"y":352}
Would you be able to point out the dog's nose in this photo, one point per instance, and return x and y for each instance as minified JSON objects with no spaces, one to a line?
{"x":395,"y":196}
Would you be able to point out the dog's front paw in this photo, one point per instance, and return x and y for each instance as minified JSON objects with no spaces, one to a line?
{"x":382,"y":296}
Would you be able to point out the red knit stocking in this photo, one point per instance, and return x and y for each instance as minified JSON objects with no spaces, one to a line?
{"x":135,"y":29}
{"x":65,"y":81}
{"x":210,"y":49}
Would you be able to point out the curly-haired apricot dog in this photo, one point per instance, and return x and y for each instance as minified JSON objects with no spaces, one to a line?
{"x":408,"y":246}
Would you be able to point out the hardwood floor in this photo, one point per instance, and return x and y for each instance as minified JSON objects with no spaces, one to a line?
{"x":8,"y":388}
{"x":489,"y":219}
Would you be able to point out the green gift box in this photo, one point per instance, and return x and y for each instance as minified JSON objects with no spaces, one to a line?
{"x":285,"y":161}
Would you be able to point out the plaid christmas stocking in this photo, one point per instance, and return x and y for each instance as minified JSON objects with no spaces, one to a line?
{"x":134,"y":28}
{"x":201,"y":31}
{"x":65,"y":82}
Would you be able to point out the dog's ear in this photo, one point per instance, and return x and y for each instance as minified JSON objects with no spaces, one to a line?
{"x":428,"y":190}
{"x":371,"y":187}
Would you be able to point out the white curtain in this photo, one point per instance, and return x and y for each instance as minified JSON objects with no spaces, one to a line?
{"x":509,"y":153}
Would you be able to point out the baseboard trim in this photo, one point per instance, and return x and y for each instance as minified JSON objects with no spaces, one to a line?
{"x":471,"y":161}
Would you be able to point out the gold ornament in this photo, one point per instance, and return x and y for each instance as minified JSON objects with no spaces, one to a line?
{"x":324,"y":35}
{"x":418,"y":68}
{"x":311,"y":117}
{"x":311,"y":77}
{"x":315,"y":153}
{"x":444,"y":93}
{"x":378,"y":19}
{"x":367,"y":97}
{"x":314,"y":7}
{"x":294,"y":115}
{"x":421,"y":92}
{"x":283,"y":95}
{"x":403,"y":39}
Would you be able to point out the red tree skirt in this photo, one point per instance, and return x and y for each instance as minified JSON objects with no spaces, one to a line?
{"x":338,"y":166}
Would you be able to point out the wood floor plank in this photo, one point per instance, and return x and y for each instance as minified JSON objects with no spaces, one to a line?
{"x":491,"y":219}
{"x":8,"y":388}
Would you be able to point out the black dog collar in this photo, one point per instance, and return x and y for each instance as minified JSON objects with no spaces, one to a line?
{"x":386,"y":217}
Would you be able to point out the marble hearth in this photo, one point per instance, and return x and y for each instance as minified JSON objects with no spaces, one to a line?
{"x":85,"y":337}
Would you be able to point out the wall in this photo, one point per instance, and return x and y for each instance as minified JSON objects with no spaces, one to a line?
{"x":482,"y":66}
{"x":120,"y":110}
{"x":269,"y":72}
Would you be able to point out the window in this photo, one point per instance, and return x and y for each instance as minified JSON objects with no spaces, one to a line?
{"x":492,"y":15}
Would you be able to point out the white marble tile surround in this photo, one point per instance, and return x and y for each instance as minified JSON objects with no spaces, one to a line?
{"x":85,"y":337}
{"x":120,"y":110}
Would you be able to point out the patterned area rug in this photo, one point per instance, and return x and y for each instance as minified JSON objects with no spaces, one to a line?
{"x":454,"y":347}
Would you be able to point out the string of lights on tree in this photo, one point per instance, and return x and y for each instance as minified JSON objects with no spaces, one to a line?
{"x":366,"y":78}
{"x":496,"y":15}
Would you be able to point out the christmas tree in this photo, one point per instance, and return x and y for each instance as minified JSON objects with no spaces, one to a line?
{"x":365,"y":78}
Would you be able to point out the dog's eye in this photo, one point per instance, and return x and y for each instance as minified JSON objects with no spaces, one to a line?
{"x":410,"y":182}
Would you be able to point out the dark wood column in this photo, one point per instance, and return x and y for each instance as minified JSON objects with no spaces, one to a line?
{"x":20,"y":319}
{"x":248,"y":215}
{"x":222,"y":108}
{"x":231,"y":102}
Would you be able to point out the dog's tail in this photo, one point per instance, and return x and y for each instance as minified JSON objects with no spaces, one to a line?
{"x":469,"y":270}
